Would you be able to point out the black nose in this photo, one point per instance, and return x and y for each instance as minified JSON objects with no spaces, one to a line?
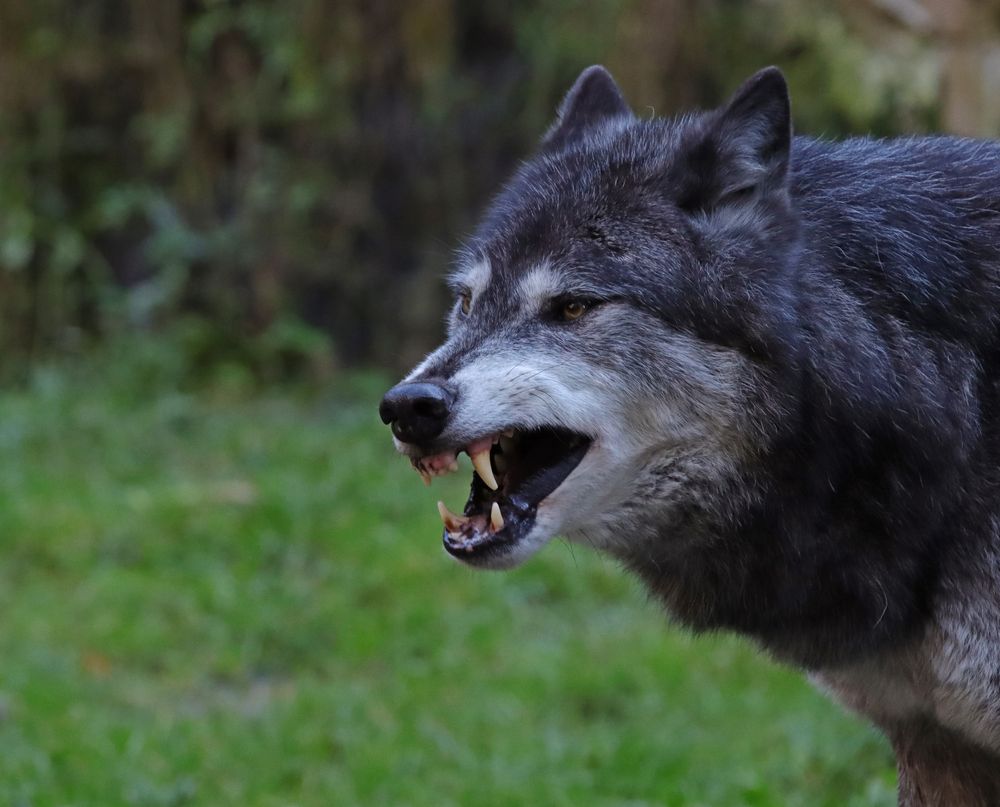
{"x":417,"y":411}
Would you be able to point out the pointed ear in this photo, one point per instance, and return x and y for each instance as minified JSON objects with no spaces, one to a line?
{"x":594,"y":98}
{"x":743,"y":150}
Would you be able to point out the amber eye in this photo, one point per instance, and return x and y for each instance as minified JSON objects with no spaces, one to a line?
{"x":465,"y":302}
{"x":574,"y":309}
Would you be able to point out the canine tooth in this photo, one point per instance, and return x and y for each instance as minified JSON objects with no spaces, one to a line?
{"x":421,"y":468}
{"x":481,"y":462}
{"x":454,"y":466}
{"x":495,"y":518}
{"x":452,"y":522}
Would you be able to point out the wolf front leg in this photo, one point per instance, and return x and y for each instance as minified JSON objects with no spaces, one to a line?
{"x":939,"y":768}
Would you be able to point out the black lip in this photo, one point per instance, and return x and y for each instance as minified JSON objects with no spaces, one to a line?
{"x":481,"y":547}
{"x":520,"y":495}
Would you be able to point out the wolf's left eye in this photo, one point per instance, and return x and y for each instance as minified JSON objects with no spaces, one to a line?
{"x":572,"y":309}
{"x":465,"y":302}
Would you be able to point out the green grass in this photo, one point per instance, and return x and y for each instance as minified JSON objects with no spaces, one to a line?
{"x":228,"y":599}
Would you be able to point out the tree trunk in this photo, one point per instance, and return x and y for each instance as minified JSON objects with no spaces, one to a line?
{"x":937,"y":768}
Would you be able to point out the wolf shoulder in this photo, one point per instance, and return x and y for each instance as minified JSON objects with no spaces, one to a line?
{"x":919,"y":186}
{"x":913,"y":222}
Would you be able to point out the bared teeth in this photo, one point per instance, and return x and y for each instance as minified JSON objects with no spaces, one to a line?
{"x":481,"y":462}
{"x":452,"y":522}
{"x":496,"y":520}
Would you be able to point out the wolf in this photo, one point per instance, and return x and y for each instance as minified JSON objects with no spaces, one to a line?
{"x":763,"y":372}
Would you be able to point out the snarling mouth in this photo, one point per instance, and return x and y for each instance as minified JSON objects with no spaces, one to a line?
{"x":514,"y":472}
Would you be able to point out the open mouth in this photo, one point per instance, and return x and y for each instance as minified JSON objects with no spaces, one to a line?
{"x":514,"y":472}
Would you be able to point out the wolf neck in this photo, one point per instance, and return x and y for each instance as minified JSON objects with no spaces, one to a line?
{"x":743,"y":568}
{"x":833,"y":548}
{"x":827,"y":548}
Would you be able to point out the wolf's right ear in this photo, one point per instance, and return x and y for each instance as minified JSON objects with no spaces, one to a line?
{"x":594,"y":98}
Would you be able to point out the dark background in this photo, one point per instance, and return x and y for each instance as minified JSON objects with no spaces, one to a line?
{"x":280,"y":186}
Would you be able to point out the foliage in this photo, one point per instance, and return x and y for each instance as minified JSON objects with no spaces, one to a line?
{"x":210,"y":599}
{"x":298,"y":173}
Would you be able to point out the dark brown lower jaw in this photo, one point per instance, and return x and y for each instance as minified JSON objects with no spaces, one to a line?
{"x":479,"y":540}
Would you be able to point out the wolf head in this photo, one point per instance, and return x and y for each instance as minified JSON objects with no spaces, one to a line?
{"x":619,"y":316}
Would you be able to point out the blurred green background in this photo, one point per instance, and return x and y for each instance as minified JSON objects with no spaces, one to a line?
{"x":223,"y":228}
